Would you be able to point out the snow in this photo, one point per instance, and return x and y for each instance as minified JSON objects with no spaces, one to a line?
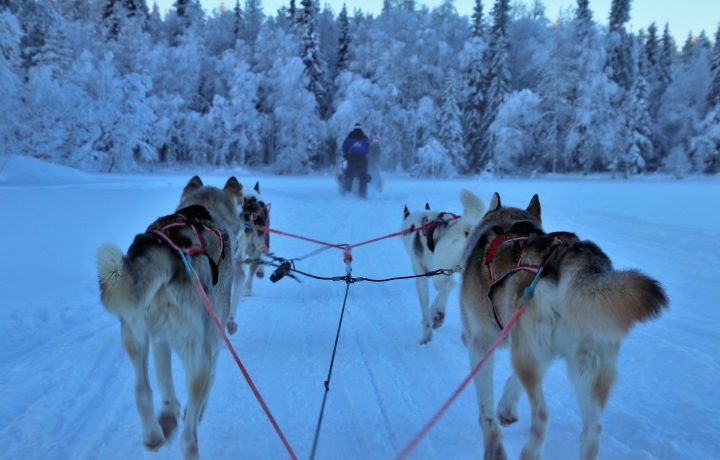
{"x":67,"y":386}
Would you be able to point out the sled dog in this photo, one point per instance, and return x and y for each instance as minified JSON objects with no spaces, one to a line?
{"x":149,"y":291}
{"x":438,"y":244}
{"x":581,"y":310}
{"x":256,"y":218}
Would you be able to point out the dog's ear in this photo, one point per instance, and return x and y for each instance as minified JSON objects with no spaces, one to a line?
{"x":427,"y":206}
{"x":405,"y":212}
{"x":495,"y":202}
{"x":233,"y":187}
{"x":257,"y":186}
{"x":472,"y":205}
{"x":192,"y":185}
{"x":534,"y":207}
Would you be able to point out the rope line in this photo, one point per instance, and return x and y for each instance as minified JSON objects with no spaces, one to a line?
{"x":208,"y":306}
{"x":329,"y":376}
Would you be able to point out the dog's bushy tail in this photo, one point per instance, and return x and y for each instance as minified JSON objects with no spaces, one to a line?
{"x":129,"y":285}
{"x":608,"y":304}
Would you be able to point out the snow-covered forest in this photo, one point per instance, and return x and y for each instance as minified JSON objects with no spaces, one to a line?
{"x":111,"y":85}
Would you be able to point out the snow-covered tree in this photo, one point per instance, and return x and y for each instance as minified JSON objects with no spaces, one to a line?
{"x":704,"y":149}
{"x":450,"y":133}
{"x":315,"y":67}
{"x":619,"y":60}
{"x":713,"y":97}
{"x":478,"y":23}
{"x":637,"y":152}
{"x":513,"y":133}
{"x":253,"y":20}
{"x":497,"y":80}
{"x":433,"y":160}
{"x":10,"y":81}
{"x":343,"y":53}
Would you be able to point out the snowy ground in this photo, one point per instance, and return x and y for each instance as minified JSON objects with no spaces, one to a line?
{"x":67,"y":387}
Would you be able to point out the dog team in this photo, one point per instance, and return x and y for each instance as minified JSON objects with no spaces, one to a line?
{"x":581,"y":310}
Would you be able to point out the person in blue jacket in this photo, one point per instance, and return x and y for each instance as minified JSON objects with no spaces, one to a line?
{"x":355,"y":149}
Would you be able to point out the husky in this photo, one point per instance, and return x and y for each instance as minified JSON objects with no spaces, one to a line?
{"x":438,"y":244}
{"x":255,"y":216}
{"x":581,"y":310}
{"x":149,"y":291}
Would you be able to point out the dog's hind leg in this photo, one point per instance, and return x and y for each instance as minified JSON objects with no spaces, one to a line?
{"x":198,"y":361}
{"x":530,"y":363}
{"x":593,"y":373}
{"x":492,"y":437}
{"x":170,"y":411}
{"x":421,"y":285}
{"x":507,"y":407}
{"x":137,"y":347}
{"x":443,"y":285}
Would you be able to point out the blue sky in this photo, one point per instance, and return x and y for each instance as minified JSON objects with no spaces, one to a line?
{"x":683,"y":16}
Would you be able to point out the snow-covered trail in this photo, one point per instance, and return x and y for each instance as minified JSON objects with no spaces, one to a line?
{"x":67,"y":387}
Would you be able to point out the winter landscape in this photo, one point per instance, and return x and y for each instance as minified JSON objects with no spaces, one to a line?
{"x":108,"y":107}
{"x":67,"y":384}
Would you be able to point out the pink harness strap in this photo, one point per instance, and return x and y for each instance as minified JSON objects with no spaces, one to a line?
{"x":183,"y":221}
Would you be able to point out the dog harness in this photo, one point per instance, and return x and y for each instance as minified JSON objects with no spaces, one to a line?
{"x":517,"y":265}
{"x":192,"y":216}
{"x":428,"y":226}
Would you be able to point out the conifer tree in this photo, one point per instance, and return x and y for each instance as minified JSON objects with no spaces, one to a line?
{"x":343,"y":41}
{"x":619,"y":60}
{"x":450,"y":134}
{"x":713,"y":97}
{"x":667,"y":56}
{"x":477,"y":19}
{"x":238,"y":20}
{"x":253,"y":20}
{"x":497,"y":79}
{"x":310,"y":54}
{"x":638,"y":153}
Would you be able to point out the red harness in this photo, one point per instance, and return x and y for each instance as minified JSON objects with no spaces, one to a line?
{"x":517,"y":266}
{"x":183,"y":220}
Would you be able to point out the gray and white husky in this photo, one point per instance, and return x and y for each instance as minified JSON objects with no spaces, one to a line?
{"x":438,"y":245}
{"x":151,"y":294}
{"x":581,"y":310}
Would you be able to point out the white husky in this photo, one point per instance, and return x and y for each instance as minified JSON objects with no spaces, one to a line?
{"x":438,"y":244}
{"x":154,"y":299}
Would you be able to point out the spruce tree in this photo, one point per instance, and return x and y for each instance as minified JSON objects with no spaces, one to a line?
{"x":473,"y":107}
{"x":343,"y":41}
{"x":477,"y":19}
{"x":639,"y":152}
{"x":292,"y":11}
{"x":497,"y":78}
{"x":310,"y":54}
{"x":619,"y":59}
{"x":713,"y":97}
{"x":238,"y":20}
{"x":253,"y":20}
{"x":667,"y":55}
{"x":450,"y":134}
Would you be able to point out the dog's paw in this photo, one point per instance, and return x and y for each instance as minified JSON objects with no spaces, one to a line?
{"x":507,"y":417}
{"x":438,"y":319}
{"x":153,"y":441}
{"x":231,"y":326}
